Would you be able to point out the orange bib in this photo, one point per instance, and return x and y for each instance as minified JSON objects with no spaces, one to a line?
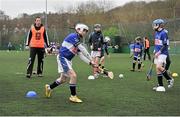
{"x":147,"y":44}
{"x":37,"y":39}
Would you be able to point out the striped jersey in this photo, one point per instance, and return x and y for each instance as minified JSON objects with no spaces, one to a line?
{"x":161,"y":39}
{"x":69,"y":46}
{"x":138,"y":49}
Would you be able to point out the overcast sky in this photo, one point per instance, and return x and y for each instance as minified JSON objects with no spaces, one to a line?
{"x":14,"y":7}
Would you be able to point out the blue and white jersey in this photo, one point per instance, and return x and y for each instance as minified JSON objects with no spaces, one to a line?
{"x":69,"y":46}
{"x":161,"y":39}
{"x":131,"y":46}
{"x":137,"y":49}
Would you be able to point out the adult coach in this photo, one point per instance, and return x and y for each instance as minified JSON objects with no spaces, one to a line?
{"x":146,"y":48}
{"x":36,"y":40}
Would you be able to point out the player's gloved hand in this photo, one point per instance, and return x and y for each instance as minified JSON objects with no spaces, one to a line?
{"x":157,"y":54}
{"x":99,"y":49}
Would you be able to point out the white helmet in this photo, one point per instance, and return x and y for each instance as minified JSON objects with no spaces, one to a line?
{"x":107,"y":39}
{"x":81,"y":27}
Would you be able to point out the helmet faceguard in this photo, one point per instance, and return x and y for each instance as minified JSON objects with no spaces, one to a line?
{"x":97,"y":27}
{"x":158,"y":24}
{"x":138,"y":39}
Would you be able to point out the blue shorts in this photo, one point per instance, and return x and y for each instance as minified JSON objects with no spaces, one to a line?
{"x":64,"y":65}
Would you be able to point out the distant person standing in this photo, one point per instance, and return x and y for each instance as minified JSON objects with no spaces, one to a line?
{"x":146,"y":48}
{"x":137,"y":51}
{"x":96,"y":41}
{"x":9,"y":46}
{"x":36,"y":40}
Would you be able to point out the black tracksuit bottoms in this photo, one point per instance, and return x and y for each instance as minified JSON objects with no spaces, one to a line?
{"x":40,"y":55}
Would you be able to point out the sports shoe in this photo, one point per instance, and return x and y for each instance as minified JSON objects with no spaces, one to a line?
{"x":75,"y":99}
{"x":160,"y":89}
{"x":170,"y":83}
{"x":39,"y":75}
{"x":28,"y":75}
{"x":132,"y":70}
{"x":154,"y":88}
{"x":47,"y":91}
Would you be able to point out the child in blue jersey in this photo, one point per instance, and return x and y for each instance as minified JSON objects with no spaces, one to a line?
{"x":70,"y":47}
{"x":137,"y":50}
{"x":160,"y":54}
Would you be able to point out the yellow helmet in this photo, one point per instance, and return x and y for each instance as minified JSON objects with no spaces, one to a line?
{"x":174,"y":75}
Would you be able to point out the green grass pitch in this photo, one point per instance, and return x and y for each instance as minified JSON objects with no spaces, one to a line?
{"x":132,"y":95}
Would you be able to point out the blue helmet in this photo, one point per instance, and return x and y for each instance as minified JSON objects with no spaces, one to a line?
{"x":157,"y":23}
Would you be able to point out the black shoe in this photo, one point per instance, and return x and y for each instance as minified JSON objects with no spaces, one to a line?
{"x":132,"y":70}
{"x":28,"y":76}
